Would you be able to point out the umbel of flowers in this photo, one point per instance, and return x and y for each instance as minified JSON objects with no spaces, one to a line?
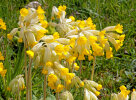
{"x":73,"y":40}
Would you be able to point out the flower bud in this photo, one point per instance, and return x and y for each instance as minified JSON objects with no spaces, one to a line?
{"x":66,"y":96}
{"x":114,"y":96}
{"x":88,"y":95}
{"x":133,"y":95}
{"x":18,"y":81}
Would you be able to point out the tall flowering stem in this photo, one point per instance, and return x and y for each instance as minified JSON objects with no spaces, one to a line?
{"x":45,"y":83}
{"x":29,"y":84}
{"x":18,"y":92}
{"x":57,"y":96}
{"x":25,"y":64}
{"x":93,"y":67}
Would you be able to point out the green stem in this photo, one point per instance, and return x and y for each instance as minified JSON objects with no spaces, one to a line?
{"x":57,"y":96}
{"x":25,"y":64}
{"x":93,"y":68}
{"x":29,"y":80}
{"x":45,"y":83}
{"x":18,"y":92}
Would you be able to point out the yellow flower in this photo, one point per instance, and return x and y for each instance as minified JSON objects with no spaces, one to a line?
{"x":33,"y":44}
{"x":81,"y":24}
{"x":122,"y":88}
{"x":1,"y":57}
{"x":56,"y":35}
{"x":61,"y":56}
{"x":3,"y":72}
{"x":1,"y":67}
{"x":59,"y":88}
{"x":44,"y":23}
{"x":72,"y":18}
{"x":97,"y":93}
{"x":10,"y":37}
{"x":85,"y":52}
{"x":69,"y":76}
{"x":40,"y":34}
{"x":99,"y":87}
{"x":97,"y":49}
{"x":62,"y":8}
{"x":68,"y":82}
{"x":93,"y":27}
{"x":92,"y":39}
{"x":23,"y":86}
{"x":89,"y":22}
{"x":82,"y":40}
{"x":76,"y":67}
{"x":109,"y":53}
{"x":103,"y":41}
{"x":51,"y":85}
{"x":119,"y":28}
{"x":81,"y":57}
{"x":66,"y":48}
{"x":81,"y":84}
{"x":40,"y":10}
{"x":49,"y":64}
{"x":64,"y":71}
{"x":72,"y":42}
{"x":124,"y":91}
{"x":24,"y":12}
{"x":2,"y":24}
{"x":102,"y":33}
{"x":8,"y":88}
{"x":41,"y":17}
{"x":59,"y":49}
{"x":70,"y":59}
{"x":30,"y":53}
{"x":44,"y":71}
{"x":20,"y":40}
{"x":121,"y":37}
{"x":52,"y":78}
{"x":118,"y":45}
{"x":90,"y":57}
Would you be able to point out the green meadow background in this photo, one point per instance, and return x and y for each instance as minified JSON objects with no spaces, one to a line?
{"x":111,"y":73}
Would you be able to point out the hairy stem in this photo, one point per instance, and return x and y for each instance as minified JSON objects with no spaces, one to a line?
{"x":45,"y":83}
{"x":18,"y":92}
{"x":25,"y":65}
{"x":57,"y":96}
{"x":29,"y":81}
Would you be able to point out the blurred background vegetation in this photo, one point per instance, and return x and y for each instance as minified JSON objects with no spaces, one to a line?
{"x":111,"y":73}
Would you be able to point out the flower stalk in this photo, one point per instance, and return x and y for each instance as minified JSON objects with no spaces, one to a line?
{"x":29,"y":84}
{"x":25,"y":64}
{"x":45,"y":83}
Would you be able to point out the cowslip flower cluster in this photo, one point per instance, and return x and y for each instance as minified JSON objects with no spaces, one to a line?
{"x":16,"y":83}
{"x":91,"y":90}
{"x":72,"y":40}
{"x":2,"y":70}
{"x":2,"y":24}
{"x":1,"y":56}
{"x":84,"y":37}
{"x":32,"y":26}
{"x":123,"y":95}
